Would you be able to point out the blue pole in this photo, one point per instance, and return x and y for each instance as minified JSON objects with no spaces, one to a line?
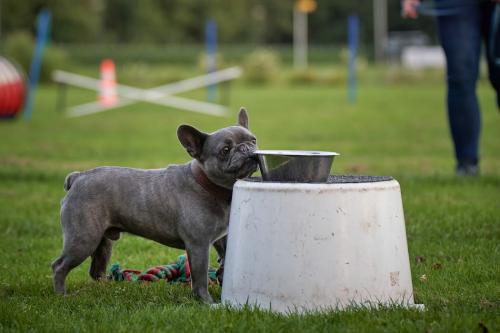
{"x":43,"y":28}
{"x":352,"y":36}
{"x":211,"y":55}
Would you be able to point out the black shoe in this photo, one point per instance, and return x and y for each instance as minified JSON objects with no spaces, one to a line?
{"x":467,"y":170}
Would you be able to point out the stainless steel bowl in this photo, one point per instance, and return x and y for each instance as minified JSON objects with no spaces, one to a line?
{"x":295,"y":165}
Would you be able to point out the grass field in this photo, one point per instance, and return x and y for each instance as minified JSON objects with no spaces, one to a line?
{"x":453,"y":225}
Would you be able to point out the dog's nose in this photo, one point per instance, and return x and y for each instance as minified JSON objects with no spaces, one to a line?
{"x":254,"y":157}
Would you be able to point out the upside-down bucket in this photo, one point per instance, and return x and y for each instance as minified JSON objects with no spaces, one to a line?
{"x":306,"y":247}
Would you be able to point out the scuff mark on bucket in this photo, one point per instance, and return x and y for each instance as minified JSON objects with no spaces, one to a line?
{"x":394,"y":276}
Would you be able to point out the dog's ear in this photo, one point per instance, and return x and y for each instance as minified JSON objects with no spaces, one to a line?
{"x":243,"y":118}
{"x":192,"y":140}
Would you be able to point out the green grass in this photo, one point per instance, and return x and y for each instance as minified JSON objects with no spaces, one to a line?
{"x":453,"y":224}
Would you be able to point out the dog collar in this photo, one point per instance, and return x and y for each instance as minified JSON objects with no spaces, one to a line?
{"x":201,"y":178}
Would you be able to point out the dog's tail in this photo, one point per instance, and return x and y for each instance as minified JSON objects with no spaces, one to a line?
{"x":70,"y":179}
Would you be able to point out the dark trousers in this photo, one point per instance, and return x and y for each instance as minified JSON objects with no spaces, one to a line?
{"x":461,"y":36}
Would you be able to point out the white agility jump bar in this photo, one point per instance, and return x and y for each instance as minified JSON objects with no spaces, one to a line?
{"x":160,"y":95}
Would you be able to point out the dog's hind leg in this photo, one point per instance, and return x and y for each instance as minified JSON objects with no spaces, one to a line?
{"x":100,"y":259}
{"x":59,"y":275}
{"x":75,"y":251}
{"x":61,"y":268}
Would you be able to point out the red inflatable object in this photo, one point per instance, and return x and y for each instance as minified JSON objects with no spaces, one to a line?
{"x":12,"y":89}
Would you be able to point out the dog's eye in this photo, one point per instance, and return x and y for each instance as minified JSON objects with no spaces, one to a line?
{"x":225,"y":150}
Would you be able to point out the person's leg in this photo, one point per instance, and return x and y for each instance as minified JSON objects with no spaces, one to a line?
{"x":460,"y":37}
{"x":492,"y":43}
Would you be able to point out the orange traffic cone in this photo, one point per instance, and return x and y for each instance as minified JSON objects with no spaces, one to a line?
{"x":108,"y":93}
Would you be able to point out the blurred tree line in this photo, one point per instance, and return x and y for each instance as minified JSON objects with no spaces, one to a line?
{"x":182,"y":21}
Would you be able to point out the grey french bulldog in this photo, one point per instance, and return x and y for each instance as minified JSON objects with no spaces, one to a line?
{"x":181,"y":206}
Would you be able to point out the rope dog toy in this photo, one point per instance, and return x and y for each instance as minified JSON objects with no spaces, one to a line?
{"x":177,"y":272}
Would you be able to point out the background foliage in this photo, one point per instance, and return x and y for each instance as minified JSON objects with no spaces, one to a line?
{"x":182,"y":21}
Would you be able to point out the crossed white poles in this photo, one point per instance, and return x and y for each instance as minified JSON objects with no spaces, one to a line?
{"x":162,"y":95}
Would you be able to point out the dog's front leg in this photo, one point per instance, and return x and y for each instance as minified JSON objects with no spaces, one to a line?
{"x":220,"y":247}
{"x":198,"y":255}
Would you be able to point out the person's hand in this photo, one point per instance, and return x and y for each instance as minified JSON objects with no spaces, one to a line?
{"x":409,"y":8}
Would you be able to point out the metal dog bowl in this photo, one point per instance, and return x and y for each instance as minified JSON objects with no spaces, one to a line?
{"x":295,"y":165}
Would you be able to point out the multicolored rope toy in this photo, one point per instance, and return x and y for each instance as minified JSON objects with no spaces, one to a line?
{"x":177,"y":272}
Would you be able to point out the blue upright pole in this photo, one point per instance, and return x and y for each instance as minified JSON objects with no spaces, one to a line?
{"x":211,"y":55}
{"x":43,"y":28}
{"x":353,"y":33}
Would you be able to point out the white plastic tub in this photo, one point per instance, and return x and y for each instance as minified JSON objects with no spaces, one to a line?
{"x":300,"y":247}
